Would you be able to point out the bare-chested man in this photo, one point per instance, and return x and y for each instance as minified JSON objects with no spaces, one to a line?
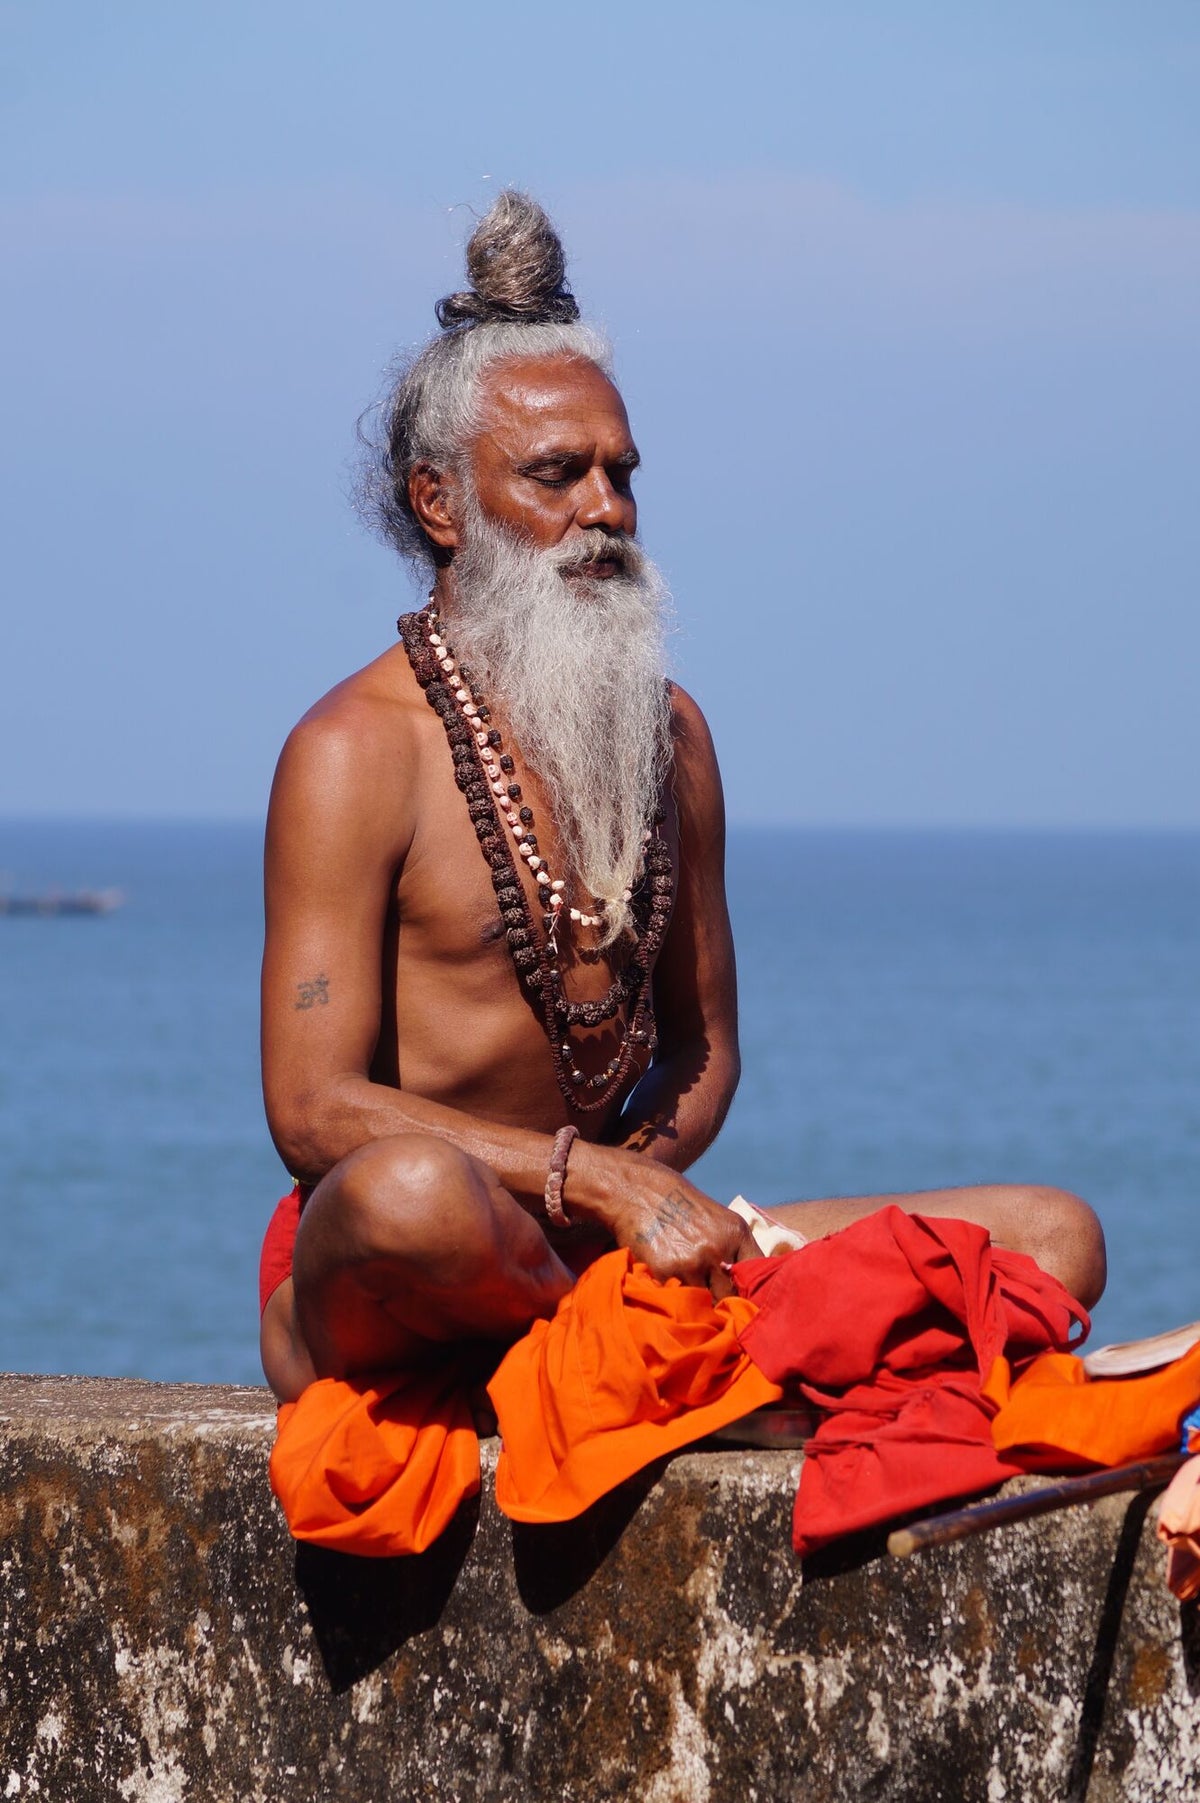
{"x":431,"y":942}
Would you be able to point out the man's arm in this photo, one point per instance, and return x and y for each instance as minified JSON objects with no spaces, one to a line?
{"x":677,"y":1109}
{"x":340,"y":824}
{"x":339,"y":827}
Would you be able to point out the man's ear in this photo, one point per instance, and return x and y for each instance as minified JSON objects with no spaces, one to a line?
{"x":431,"y":496}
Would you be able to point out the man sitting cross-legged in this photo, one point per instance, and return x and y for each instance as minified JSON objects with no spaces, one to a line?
{"x":503,"y":914}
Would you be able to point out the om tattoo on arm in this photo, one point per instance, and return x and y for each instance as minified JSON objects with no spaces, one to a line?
{"x":314,"y":990}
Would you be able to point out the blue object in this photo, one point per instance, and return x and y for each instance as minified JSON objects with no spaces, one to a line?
{"x":1190,"y":1425}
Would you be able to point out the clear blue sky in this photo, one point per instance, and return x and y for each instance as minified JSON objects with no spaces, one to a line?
{"x":905,"y":301}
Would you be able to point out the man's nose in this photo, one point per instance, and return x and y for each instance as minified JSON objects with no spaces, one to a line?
{"x":601,"y":504}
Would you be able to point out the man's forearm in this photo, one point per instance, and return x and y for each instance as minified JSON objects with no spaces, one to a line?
{"x":313,"y":1136}
{"x":318,"y":1133}
{"x":641,"y":1200}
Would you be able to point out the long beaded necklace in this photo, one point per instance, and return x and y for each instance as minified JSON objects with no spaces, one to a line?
{"x":485,"y":773}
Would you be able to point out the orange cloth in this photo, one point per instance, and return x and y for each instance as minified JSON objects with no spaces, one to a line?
{"x":1179,"y":1529}
{"x":627,"y":1370}
{"x":378,"y":1466}
{"x":1053,"y":1416}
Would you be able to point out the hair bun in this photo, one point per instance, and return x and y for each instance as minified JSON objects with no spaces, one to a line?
{"x":516,"y":267}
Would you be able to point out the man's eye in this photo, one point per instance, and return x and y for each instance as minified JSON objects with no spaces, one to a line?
{"x":552,"y":478}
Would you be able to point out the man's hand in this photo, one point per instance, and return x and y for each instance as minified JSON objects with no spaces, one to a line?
{"x":686,"y":1235}
{"x":665,"y":1221}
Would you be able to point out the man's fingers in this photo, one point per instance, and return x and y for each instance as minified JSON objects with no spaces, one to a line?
{"x":747,"y":1247}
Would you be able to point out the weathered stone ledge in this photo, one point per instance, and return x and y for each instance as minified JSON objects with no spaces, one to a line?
{"x":164,"y":1641}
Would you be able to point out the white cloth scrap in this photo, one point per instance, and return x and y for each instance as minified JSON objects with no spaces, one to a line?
{"x":771,"y":1237}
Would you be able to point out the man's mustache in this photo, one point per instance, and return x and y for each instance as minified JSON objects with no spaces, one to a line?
{"x":595,"y":545}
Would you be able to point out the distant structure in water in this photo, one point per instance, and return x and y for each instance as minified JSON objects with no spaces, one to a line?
{"x":55,"y":901}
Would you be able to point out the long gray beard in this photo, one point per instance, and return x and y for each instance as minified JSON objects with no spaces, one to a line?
{"x":576,"y":670}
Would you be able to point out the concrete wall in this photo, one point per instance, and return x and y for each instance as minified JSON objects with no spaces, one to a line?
{"x":164,"y":1640}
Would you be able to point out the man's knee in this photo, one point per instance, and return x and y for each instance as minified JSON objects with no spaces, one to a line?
{"x":1068,"y":1241}
{"x":406,"y":1198}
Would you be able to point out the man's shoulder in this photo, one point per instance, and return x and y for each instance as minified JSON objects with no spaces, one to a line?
{"x":353,"y":746}
{"x":689,"y":728}
{"x":370,"y":712}
{"x":695,"y":776}
{"x":341,"y":814}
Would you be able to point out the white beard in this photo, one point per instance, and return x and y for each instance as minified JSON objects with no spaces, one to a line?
{"x":576,"y":670}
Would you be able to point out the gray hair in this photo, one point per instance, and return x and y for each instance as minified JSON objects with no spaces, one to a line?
{"x":518,"y":306}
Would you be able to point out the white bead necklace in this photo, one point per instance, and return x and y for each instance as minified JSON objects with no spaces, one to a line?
{"x":552,"y":890}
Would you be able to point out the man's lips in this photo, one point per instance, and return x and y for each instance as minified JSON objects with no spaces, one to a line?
{"x":604,"y":567}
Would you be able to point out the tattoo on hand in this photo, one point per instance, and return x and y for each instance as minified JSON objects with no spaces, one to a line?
{"x":669,"y":1213}
{"x":315,"y":990}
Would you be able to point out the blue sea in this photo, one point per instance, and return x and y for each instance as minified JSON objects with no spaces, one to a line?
{"x":918,"y":1009}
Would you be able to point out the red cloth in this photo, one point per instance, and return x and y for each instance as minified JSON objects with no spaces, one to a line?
{"x":891,"y":1327}
{"x":275,"y":1260}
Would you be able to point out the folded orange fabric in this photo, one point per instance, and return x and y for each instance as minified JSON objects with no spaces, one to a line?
{"x":627,"y":1370}
{"x":1053,"y":1415}
{"x":378,"y":1466}
{"x":1179,"y":1529}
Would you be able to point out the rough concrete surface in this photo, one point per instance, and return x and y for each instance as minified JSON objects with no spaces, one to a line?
{"x":164,"y":1640}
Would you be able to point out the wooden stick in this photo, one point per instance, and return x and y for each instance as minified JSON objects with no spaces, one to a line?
{"x":957,"y":1524}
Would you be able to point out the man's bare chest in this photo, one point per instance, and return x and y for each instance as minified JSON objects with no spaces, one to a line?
{"x":455,"y":905}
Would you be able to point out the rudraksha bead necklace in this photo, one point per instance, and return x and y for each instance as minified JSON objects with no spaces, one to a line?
{"x":485,"y":772}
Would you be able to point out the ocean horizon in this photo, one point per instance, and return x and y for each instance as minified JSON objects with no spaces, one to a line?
{"x":919,"y":1008}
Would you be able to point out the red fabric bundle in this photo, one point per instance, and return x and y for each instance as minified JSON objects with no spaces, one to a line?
{"x":891,"y":1327}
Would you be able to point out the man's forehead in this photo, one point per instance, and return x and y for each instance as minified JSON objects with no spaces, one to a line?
{"x":551,"y":400}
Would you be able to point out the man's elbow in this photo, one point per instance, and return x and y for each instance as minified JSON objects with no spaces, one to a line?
{"x":721,"y":1077}
{"x":302,"y":1128}
{"x":729,"y":1075}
